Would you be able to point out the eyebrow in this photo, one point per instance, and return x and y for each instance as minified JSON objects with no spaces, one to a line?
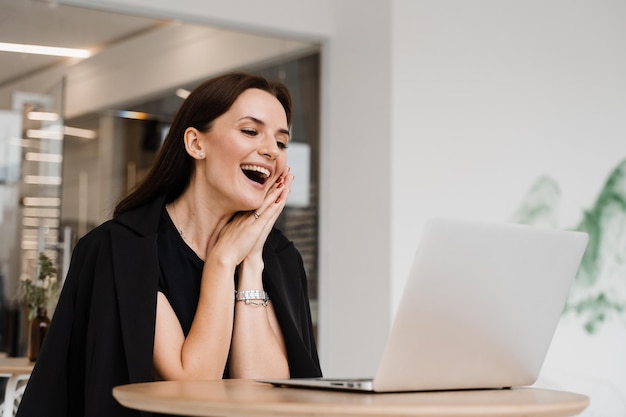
{"x":261,"y":122}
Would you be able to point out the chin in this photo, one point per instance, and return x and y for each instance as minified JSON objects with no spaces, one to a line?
{"x":250,"y":205}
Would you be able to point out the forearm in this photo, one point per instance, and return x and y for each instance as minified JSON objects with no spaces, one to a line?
{"x":257,"y":348}
{"x":250,"y":333}
{"x":204,"y":352}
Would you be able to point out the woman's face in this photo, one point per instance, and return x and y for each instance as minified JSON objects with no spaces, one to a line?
{"x":245,"y":151}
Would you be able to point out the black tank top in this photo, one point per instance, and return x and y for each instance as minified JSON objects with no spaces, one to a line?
{"x":181,"y":272}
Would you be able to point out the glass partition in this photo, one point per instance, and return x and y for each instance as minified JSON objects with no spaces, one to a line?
{"x":31,"y":180}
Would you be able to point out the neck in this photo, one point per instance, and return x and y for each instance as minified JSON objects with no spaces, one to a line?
{"x":199,"y":228}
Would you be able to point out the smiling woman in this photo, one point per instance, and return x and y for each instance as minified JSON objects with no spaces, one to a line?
{"x":193,"y":280}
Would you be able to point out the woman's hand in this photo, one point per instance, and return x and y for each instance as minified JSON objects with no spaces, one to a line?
{"x":244,"y":236}
{"x":270,"y":210}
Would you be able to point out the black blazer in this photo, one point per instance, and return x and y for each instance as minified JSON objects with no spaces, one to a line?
{"x":102,"y":331}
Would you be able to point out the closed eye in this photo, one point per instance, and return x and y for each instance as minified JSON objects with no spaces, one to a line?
{"x":249,"y":132}
{"x":281,"y":145}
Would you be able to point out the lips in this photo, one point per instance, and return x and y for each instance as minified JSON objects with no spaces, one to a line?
{"x":256,"y":173}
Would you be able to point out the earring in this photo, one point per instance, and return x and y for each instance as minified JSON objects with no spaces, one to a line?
{"x":201,"y":154}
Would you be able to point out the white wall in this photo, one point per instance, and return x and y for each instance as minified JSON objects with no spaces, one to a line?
{"x":442,"y":107}
{"x":355,"y":192}
{"x":298,"y":18}
{"x":490,"y":95}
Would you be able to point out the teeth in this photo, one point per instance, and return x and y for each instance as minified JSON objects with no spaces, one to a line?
{"x":264,"y":171}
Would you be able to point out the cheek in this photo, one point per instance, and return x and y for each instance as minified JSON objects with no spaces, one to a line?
{"x":281,"y":163}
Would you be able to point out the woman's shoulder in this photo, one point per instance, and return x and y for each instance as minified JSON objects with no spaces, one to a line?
{"x":139,"y":221}
{"x":97,"y":232}
{"x":100,"y":234}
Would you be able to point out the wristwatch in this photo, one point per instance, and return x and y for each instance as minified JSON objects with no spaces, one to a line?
{"x":252,"y":295}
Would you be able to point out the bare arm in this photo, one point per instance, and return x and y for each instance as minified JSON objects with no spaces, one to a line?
{"x":203,"y":354}
{"x":258,"y":347}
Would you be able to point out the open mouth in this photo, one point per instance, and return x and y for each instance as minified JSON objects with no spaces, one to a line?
{"x":256,"y":173}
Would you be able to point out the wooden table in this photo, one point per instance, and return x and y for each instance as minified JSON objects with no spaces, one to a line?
{"x":17,"y":370}
{"x":245,"y":398}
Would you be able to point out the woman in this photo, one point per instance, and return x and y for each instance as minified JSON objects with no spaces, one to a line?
{"x":189,"y":280}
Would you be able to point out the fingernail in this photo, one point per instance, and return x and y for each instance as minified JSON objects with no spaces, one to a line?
{"x":280,"y":185}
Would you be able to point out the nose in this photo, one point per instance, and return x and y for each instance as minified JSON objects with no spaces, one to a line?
{"x":269,"y":149}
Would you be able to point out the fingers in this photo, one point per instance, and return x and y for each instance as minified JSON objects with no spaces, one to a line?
{"x":275,"y":200}
{"x":247,"y":232}
{"x":269,"y":212}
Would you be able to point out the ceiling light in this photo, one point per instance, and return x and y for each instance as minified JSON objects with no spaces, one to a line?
{"x":42,"y":201}
{"x":43,"y":116}
{"x":43,"y":157}
{"x":127,"y":114}
{"x":43,"y":180}
{"x":80,"y":133}
{"x":182,"y":93}
{"x":44,"y":134}
{"x":44,"y":50}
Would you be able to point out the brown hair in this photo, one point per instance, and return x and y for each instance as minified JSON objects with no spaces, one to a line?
{"x":173,"y":168}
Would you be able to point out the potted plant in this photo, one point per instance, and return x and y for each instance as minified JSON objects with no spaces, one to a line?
{"x":37,"y":294}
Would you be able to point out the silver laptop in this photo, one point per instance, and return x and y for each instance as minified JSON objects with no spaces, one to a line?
{"x":479,"y":309}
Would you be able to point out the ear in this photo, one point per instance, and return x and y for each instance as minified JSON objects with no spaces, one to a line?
{"x":193,"y":143}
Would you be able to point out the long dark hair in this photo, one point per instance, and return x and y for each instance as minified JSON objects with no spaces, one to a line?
{"x":173,"y":168}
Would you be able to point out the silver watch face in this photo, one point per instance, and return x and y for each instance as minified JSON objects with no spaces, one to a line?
{"x":247,"y":295}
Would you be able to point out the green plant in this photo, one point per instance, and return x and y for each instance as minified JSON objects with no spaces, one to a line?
{"x":38,"y":292}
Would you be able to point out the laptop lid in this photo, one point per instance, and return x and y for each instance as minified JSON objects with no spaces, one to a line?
{"x":480,"y":306}
{"x":479,"y":309}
